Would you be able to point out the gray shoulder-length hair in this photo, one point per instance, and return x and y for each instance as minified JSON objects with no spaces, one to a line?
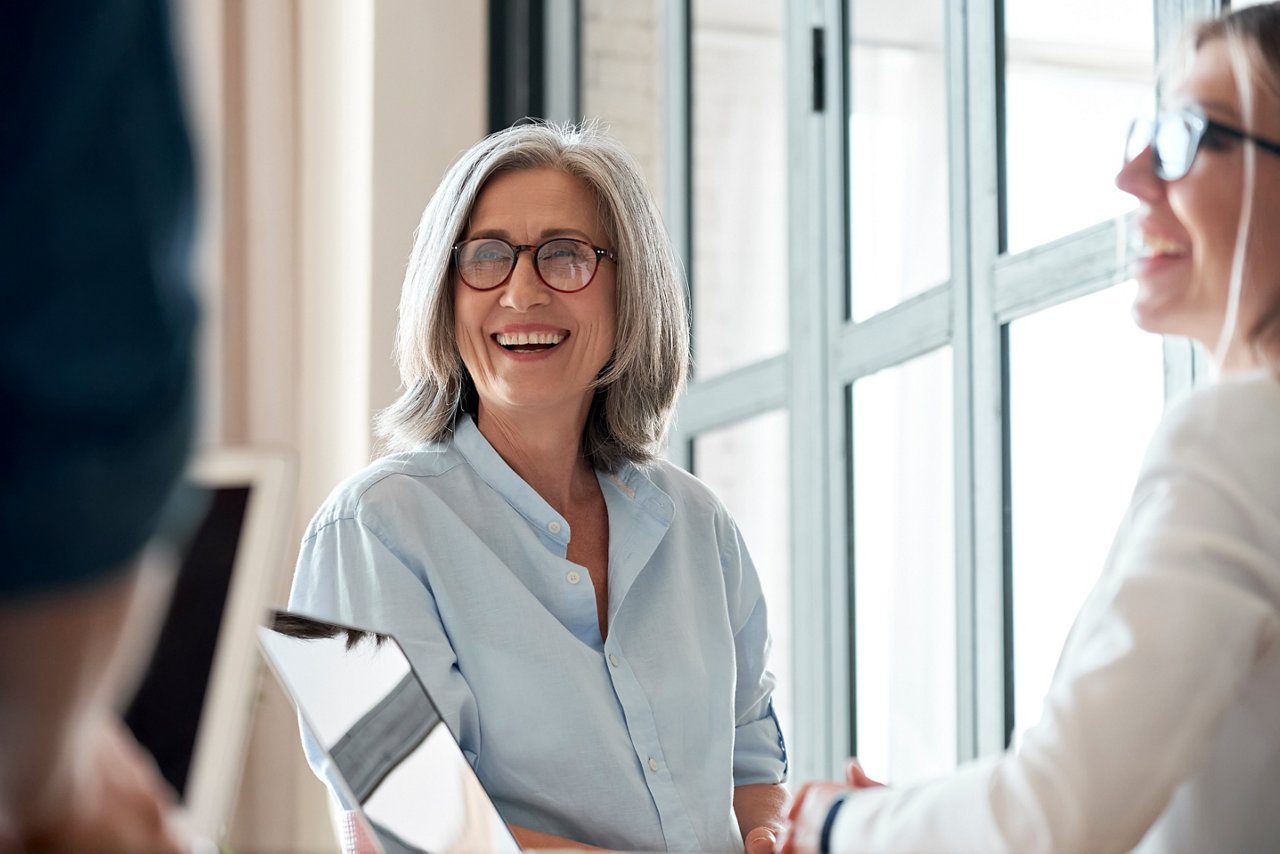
{"x":636,"y":391}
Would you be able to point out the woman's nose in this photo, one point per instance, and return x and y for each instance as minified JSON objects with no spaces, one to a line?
{"x":524,"y":289}
{"x":1138,"y":177}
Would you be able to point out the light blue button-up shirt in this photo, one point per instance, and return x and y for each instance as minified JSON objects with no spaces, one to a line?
{"x":635,"y":742}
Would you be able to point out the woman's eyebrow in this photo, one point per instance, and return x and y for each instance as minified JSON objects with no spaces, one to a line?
{"x":488,"y":232}
{"x":546,"y":234}
{"x":1222,"y":108}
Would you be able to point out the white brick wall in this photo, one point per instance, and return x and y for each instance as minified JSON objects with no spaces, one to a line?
{"x":622,"y":74}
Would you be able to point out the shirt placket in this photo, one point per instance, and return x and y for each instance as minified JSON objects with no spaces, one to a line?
{"x":638,"y":536}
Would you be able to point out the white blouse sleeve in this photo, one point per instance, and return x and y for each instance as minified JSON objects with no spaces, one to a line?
{"x":1187,"y":605}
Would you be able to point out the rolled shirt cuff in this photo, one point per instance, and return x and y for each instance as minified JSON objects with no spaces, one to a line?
{"x":759,"y":752}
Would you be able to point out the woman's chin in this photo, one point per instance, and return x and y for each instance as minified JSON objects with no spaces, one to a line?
{"x":1147,"y":320}
{"x":1158,"y":306}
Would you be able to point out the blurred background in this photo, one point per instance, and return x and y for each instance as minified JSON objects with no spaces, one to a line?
{"x":917,"y":386}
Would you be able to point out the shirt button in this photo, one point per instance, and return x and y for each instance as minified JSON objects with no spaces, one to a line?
{"x":553,"y":527}
{"x":653,"y":764}
{"x":613,"y":659}
{"x":573,"y":577}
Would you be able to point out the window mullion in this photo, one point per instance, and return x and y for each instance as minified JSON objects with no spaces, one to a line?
{"x":816,"y":282}
{"x":1185,"y":364}
{"x":980,"y":391}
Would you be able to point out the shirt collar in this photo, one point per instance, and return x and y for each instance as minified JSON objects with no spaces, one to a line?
{"x":644,"y":493}
{"x":493,"y":470}
{"x":630,"y":482}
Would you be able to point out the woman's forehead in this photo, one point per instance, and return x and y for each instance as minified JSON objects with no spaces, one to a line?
{"x":1209,"y":78}
{"x":530,"y":202}
{"x":1211,"y":83}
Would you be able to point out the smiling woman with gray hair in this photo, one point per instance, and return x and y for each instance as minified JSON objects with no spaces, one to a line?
{"x":585,"y":615}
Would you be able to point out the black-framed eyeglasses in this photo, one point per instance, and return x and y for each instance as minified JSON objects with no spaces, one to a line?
{"x":563,"y":264}
{"x":1175,"y":137}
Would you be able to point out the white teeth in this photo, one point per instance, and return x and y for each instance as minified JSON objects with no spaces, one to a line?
{"x":516,"y":339}
{"x":1161,"y":246}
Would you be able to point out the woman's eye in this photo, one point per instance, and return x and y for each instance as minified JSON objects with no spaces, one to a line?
{"x":565,"y":253}
{"x":1215,"y":140}
{"x":489,"y":253}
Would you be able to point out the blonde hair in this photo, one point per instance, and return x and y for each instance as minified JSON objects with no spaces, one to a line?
{"x":1252,"y":39}
{"x":636,"y":391}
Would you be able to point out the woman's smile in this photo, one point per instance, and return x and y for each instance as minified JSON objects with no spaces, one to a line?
{"x":524,"y":341}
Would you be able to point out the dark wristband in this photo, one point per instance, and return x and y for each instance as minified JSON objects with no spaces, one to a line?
{"x":824,"y":842}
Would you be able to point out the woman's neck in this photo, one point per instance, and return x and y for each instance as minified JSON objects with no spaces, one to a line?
{"x":545,"y":450}
{"x":1239,"y":359}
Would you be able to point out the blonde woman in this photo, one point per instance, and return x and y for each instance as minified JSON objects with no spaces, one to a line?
{"x":1161,"y":729}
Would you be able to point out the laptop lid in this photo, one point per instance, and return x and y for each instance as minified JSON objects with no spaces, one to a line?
{"x":377,"y":738}
{"x":194,"y":704}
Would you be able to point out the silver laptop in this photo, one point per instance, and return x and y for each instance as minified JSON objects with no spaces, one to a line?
{"x":375,"y":738}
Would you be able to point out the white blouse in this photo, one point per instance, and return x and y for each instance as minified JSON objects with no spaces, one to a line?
{"x":1161,"y":729}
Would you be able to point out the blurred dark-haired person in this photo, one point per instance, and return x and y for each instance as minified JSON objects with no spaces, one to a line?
{"x":96,"y":324}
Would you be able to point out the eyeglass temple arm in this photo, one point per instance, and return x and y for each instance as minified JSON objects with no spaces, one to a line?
{"x":1264,"y":144}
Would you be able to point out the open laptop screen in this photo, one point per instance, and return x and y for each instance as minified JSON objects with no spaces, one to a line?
{"x":378,"y":740}
{"x":165,"y":713}
{"x":194,"y":702}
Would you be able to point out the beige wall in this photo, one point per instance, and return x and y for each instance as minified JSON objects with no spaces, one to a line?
{"x":323,"y":127}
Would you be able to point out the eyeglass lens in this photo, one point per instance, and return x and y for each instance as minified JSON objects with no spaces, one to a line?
{"x":1173,"y":140}
{"x":1140,"y":134}
{"x":564,"y":264}
{"x":1175,"y":145}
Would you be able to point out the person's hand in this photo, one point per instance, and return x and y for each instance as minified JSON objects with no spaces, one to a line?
{"x":119,"y":802}
{"x":857,"y":778}
{"x":807,"y":816}
{"x":809,"y":810}
{"x":760,"y":840}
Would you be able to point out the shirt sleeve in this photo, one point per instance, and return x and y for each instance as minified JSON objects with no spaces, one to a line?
{"x":759,"y":752}
{"x":1162,"y":648}
{"x":349,"y":574}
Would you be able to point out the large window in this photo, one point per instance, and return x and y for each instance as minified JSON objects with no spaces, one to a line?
{"x":738,"y":179}
{"x":910,"y":307}
{"x":1085,"y":389}
{"x":899,"y":187}
{"x":904,"y":595}
{"x":1071,"y":89}
{"x":747,"y":465}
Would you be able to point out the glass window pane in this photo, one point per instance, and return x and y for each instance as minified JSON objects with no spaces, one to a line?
{"x":757,"y":496}
{"x":621,"y":74}
{"x":1071,"y":89}
{"x":898,"y":168}
{"x":1086,"y":389}
{"x":739,"y":172}
{"x":904,"y":570}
